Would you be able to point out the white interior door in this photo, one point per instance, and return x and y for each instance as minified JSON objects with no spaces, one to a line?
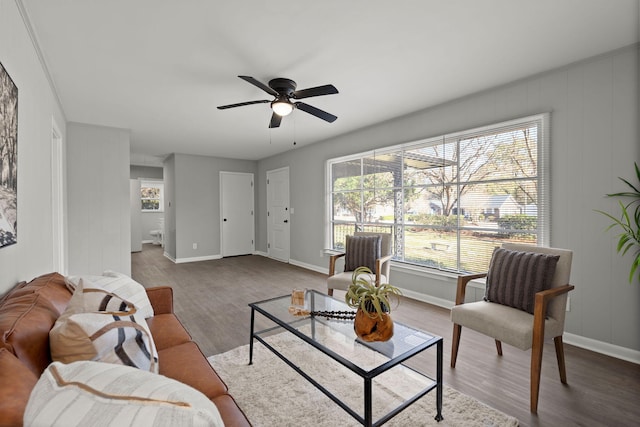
{"x":236,"y":213}
{"x":278,"y":214}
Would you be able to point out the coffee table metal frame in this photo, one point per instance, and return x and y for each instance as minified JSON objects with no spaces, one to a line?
{"x":367,"y":376}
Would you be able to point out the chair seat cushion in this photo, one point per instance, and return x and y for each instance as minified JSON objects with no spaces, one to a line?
{"x":342,"y":281}
{"x":507,"y":324}
{"x":362,"y":251}
{"x":515,"y":277}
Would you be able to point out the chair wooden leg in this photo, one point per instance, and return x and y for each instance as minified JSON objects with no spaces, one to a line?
{"x":455,"y":343}
{"x":536,"y":367}
{"x":499,"y":347}
{"x":330,"y":292}
{"x":560,"y":357}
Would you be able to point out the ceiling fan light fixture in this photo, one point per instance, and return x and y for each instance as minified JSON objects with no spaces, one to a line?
{"x":282,"y":107}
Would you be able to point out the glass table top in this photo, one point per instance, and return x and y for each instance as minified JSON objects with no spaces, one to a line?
{"x":337,"y":338}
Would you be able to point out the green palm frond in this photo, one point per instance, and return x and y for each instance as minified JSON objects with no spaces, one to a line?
{"x":628,"y":222}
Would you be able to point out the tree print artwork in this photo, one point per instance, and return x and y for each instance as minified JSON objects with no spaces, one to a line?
{"x":8,"y":159}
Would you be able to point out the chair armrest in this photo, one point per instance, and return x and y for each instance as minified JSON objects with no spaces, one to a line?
{"x":540,"y":308}
{"x":542,"y":299}
{"x":553,"y":292}
{"x":332,"y":263}
{"x":462,"y":285}
{"x":379,"y":263}
{"x":161,"y":299}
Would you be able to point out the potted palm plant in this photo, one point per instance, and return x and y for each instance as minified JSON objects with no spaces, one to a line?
{"x":628,"y":222}
{"x":373,"y":321}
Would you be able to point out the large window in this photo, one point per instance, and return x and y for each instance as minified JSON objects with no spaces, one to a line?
{"x":448,"y":201}
{"x":152,"y":196}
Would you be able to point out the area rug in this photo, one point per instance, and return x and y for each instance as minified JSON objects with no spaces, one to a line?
{"x":272,"y":394}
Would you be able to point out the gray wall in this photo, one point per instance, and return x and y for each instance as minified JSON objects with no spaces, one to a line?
{"x":594,"y":139}
{"x":195,"y":191}
{"x":38,"y":106}
{"x":142,"y":172}
{"x":98,"y":199}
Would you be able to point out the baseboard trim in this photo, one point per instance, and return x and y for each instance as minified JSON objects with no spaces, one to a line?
{"x":309,"y":266}
{"x":193,"y":259}
{"x":429,"y":299}
{"x":198,"y":258}
{"x":601,"y":347}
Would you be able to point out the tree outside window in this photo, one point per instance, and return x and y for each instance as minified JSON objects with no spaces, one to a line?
{"x":448,"y":201}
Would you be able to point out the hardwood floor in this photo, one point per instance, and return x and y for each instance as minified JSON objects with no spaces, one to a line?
{"x":212,"y":297}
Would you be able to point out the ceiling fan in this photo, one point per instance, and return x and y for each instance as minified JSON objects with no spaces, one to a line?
{"x":284,"y":90}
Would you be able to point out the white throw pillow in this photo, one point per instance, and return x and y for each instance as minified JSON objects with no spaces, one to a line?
{"x":100,"y":326}
{"x":103,"y":395}
{"x":120,"y":284}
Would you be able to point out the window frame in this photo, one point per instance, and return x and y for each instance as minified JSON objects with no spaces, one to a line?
{"x":152,"y":184}
{"x":542,"y":180}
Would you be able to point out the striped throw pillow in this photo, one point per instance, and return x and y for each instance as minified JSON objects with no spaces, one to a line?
{"x":100,"y":326}
{"x":122,"y":285}
{"x":515,"y":277}
{"x":362,"y":251}
{"x":100,"y":395}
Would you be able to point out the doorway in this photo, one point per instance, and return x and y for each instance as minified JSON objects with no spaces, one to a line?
{"x":278,"y":214}
{"x":237,"y":226}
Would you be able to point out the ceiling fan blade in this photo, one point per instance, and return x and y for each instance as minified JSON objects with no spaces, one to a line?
{"x":275,"y":121}
{"x":259,"y":84}
{"x":316,"y":112}
{"x":315,"y":91}
{"x":242,"y":104}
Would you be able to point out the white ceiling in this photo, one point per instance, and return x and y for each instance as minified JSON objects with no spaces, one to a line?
{"x":160,"y":67}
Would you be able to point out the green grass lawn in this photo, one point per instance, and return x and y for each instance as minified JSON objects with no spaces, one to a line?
{"x":439,"y":249}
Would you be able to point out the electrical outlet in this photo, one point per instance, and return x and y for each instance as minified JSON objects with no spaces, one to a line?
{"x":195,"y":246}
{"x":568,"y":303}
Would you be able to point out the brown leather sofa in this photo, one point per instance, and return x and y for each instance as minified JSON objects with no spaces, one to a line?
{"x":29,"y":311}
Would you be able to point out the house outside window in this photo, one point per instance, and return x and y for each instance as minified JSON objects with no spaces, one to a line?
{"x":152,"y":196}
{"x":448,"y":201}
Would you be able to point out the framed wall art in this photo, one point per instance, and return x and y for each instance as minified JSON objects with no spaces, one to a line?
{"x":8,"y":159}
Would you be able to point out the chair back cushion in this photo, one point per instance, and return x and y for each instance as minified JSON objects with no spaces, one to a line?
{"x":362,"y":251}
{"x":515,"y":277}
{"x":558,"y":306}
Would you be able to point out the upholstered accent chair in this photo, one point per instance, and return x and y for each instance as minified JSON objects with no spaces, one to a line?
{"x":515,"y":310}
{"x":362,"y":249}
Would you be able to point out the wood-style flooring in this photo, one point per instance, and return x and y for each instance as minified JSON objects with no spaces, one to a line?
{"x":212,"y":297}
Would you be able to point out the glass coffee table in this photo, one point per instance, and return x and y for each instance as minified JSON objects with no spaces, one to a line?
{"x":336,"y":339}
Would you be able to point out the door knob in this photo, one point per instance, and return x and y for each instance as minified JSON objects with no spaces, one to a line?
{"x":225,"y":220}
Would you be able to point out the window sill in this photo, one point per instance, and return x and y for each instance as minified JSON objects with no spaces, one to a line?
{"x":433,"y":274}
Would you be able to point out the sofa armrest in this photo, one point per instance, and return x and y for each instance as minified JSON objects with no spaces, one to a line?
{"x":161,"y":299}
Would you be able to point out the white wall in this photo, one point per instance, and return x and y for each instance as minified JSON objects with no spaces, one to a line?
{"x":594,"y":139}
{"x":98,"y":199}
{"x":38,"y":106}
